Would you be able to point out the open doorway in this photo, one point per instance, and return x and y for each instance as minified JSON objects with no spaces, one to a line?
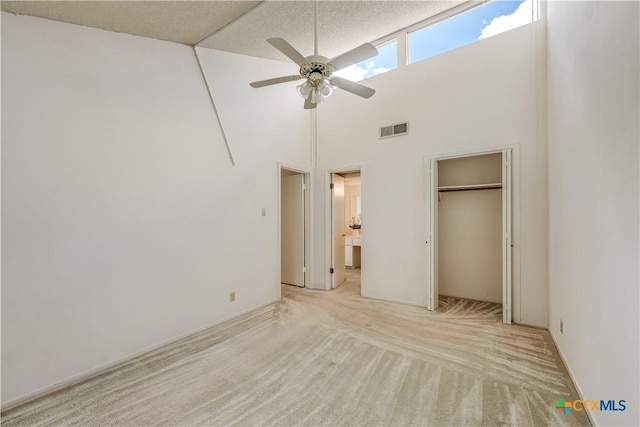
{"x":294,"y":227}
{"x":345,"y":235}
{"x":470,"y":237}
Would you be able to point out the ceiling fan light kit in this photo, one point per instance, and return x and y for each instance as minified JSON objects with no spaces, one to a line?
{"x":317,"y":87}
{"x":318,"y":70}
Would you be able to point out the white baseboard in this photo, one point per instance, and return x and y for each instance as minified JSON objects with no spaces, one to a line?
{"x":572,"y":376}
{"x":393,"y":301}
{"x":92,"y":372}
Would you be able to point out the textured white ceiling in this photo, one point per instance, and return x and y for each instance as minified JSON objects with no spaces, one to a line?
{"x":185,"y":22}
{"x":243,"y":26}
{"x":342,"y":25}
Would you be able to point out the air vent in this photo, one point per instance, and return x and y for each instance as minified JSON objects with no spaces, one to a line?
{"x":394,"y":130}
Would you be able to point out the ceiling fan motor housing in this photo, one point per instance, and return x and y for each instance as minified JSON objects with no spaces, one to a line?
{"x":317,"y":64}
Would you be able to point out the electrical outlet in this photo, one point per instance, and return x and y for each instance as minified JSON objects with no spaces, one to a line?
{"x":232,"y":296}
{"x":561,"y":326}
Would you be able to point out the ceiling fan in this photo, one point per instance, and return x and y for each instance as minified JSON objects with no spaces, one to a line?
{"x":318,"y":70}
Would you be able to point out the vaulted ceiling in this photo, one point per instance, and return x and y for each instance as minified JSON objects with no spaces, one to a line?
{"x":243,"y":26}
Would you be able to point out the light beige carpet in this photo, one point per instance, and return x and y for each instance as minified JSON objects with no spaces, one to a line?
{"x":330,"y":358}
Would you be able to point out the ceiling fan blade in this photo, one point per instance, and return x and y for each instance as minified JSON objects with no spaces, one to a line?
{"x":353,"y":87}
{"x":354,"y":56}
{"x":308,"y":105}
{"x":283,"y":46}
{"x":277,"y":80}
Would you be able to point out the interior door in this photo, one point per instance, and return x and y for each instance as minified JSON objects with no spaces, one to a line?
{"x":434,"y":291}
{"x":292,"y":229}
{"x":507,"y":240}
{"x":337,"y":221}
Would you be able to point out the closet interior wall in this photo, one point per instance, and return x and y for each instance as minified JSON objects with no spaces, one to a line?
{"x":470,"y":227}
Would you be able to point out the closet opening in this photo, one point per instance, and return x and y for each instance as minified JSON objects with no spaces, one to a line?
{"x":470,"y":239}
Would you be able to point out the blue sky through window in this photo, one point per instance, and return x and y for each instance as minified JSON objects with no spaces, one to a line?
{"x":478,"y":23}
{"x":386,"y":60}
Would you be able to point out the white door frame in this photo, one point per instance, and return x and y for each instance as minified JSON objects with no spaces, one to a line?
{"x":511,"y":294}
{"x":328,"y":225}
{"x":432,"y":239}
{"x":507,"y":236}
{"x":308,"y":212}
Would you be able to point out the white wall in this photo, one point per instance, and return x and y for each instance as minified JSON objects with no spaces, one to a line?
{"x":479,"y":96}
{"x":593,"y":198}
{"x":124,"y":224}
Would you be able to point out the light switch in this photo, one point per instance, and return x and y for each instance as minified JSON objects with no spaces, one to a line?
{"x":264,"y":211}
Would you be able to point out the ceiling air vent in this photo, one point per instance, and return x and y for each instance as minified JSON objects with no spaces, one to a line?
{"x":394,"y":130}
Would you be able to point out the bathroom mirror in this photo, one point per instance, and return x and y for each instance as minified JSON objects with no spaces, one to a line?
{"x":356,"y":206}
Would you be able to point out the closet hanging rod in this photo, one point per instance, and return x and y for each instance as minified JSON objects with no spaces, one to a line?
{"x":446,"y":188}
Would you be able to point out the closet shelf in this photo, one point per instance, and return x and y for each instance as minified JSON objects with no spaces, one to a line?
{"x":445,"y":188}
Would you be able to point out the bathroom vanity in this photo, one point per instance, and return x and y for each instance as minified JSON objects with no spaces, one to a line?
{"x":352,"y":246}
